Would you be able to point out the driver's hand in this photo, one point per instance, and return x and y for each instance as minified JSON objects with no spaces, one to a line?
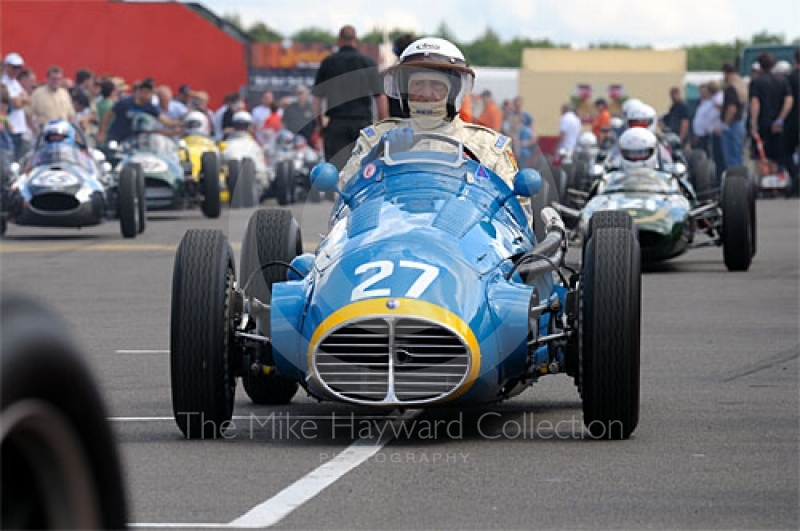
{"x":401,"y":139}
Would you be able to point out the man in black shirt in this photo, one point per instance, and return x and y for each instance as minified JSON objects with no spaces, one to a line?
{"x":677,"y":119}
{"x":347,"y":81}
{"x":126,"y":109}
{"x":396,"y":110}
{"x":732,"y":116}
{"x":770,"y":102}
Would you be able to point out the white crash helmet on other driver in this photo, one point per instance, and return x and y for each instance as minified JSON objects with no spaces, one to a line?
{"x":643,"y":116}
{"x":435,"y":54}
{"x":587,"y":139}
{"x":195,"y":123}
{"x":629,"y":104}
{"x":242,"y":120}
{"x":639,"y":149}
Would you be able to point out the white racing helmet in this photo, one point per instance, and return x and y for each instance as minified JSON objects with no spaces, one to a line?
{"x":587,"y":140}
{"x":431,"y":53}
{"x":643,"y":116}
{"x":195,"y":123}
{"x":639,"y":149}
{"x":242,"y":120}
{"x":629,"y":104}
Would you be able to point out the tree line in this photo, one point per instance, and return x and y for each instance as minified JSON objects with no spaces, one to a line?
{"x":489,"y":50}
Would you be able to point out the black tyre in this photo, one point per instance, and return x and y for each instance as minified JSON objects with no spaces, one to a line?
{"x":609,"y":333}
{"x":128,"y":197}
{"x":272,"y":235}
{"x":737,"y":230}
{"x":141,"y":198}
{"x":284,"y":182}
{"x":581,"y":175}
{"x":752,"y":193}
{"x":60,"y":465}
{"x":210,"y":184}
{"x":609,"y":219}
{"x":247,"y":180}
{"x":201,"y":332}
{"x":3,"y":225}
{"x":233,"y":181}
{"x":701,"y":172}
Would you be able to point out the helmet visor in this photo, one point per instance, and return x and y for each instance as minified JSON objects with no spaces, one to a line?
{"x":638,"y":155}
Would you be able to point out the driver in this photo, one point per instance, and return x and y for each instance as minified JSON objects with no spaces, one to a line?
{"x":430,"y":80}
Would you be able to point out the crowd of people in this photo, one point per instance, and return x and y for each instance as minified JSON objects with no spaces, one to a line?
{"x":103,"y":107}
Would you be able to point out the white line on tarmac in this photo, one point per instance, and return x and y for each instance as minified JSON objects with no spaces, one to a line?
{"x":141,"y":351}
{"x":282,"y":504}
{"x":301,"y":491}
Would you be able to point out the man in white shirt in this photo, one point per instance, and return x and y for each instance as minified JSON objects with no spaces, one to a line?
{"x":261,"y":113}
{"x":703,"y":119}
{"x":569,"y":126}
{"x":18,"y":99}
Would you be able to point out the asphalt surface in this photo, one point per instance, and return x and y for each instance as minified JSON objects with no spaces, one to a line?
{"x":716,"y":446}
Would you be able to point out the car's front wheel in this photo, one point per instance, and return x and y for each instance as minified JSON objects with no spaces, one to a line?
{"x":609,"y":333}
{"x":738,"y":232}
{"x":128,"y":197}
{"x":202,"y":359}
{"x":211,"y":200}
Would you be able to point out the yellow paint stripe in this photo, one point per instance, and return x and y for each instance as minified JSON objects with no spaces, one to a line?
{"x":406,"y":308}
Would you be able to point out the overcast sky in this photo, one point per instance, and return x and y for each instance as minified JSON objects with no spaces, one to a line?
{"x":578,"y":22}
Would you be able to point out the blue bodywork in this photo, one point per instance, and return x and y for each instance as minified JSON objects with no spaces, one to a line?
{"x":426,"y":239}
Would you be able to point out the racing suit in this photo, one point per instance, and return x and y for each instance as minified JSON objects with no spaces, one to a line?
{"x":492,"y":149}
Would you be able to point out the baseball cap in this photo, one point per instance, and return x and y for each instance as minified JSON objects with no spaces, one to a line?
{"x":14,"y":59}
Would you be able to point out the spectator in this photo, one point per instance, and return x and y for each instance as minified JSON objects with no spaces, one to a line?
{"x":168,"y":105}
{"x":298,"y":117}
{"x":108,"y":97}
{"x":27,"y":78}
{"x":527,"y":140}
{"x":6,"y":142}
{"x":793,"y":124}
{"x":770,"y":103}
{"x":401,"y":42}
{"x":184,"y":96}
{"x":491,"y":116}
{"x":732,"y":138}
{"x":602,"y":122}
{"x":237,"y":104}
{"x":260,"y":114}
{"x":51,"y":101}
{"x":677,"y":119}
{"x":18,"y":99}
{"x":465,"y":113}
{"x":347,"y":82}
{"x":199,"y":102}
{"x":85,"y":117}
{"x":702,"y":119}
{"x":84,"y":80}
{"x":126,"y":109}
{"x":569,"y":127}
{"x":715,"y":127}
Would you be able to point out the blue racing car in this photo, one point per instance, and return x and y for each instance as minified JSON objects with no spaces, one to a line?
{"x":429,"y":289}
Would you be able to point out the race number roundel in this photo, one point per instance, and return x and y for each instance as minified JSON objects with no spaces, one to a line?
{"x":369,"y":171}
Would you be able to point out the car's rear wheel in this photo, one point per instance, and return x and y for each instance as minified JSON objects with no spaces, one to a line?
{"x":545,"y":197}
{"x":232,"y":182}
{"x":737,"y":230}
{"x":271,"y":241}
{"x":141,"y":201}
{"x":60,"y":466}
{"x":247,"y":180}
{"x":701,"y":172}
{"x":201,"y":334}
{"x":128,"y":196}
{"x":210,"y":169}
{"x":609,"y":333}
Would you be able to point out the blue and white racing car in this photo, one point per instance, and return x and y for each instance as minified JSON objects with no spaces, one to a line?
{"x":62,"y":185}
{"x":429,"y":289}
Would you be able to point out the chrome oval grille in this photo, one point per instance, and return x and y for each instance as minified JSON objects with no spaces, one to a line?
{"x":392,"y":360}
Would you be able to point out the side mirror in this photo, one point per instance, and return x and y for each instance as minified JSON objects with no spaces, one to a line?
{"x":680,"y":168}
{"x":14,"y":167}
{"x":325,"y":177}
{"x":182,"y":143}
{"x":98,"y":156}
{"x":113,"y":145}
{"x":527,"y":182}
{"x":597,"y":170}
{"x":106,"y":166}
